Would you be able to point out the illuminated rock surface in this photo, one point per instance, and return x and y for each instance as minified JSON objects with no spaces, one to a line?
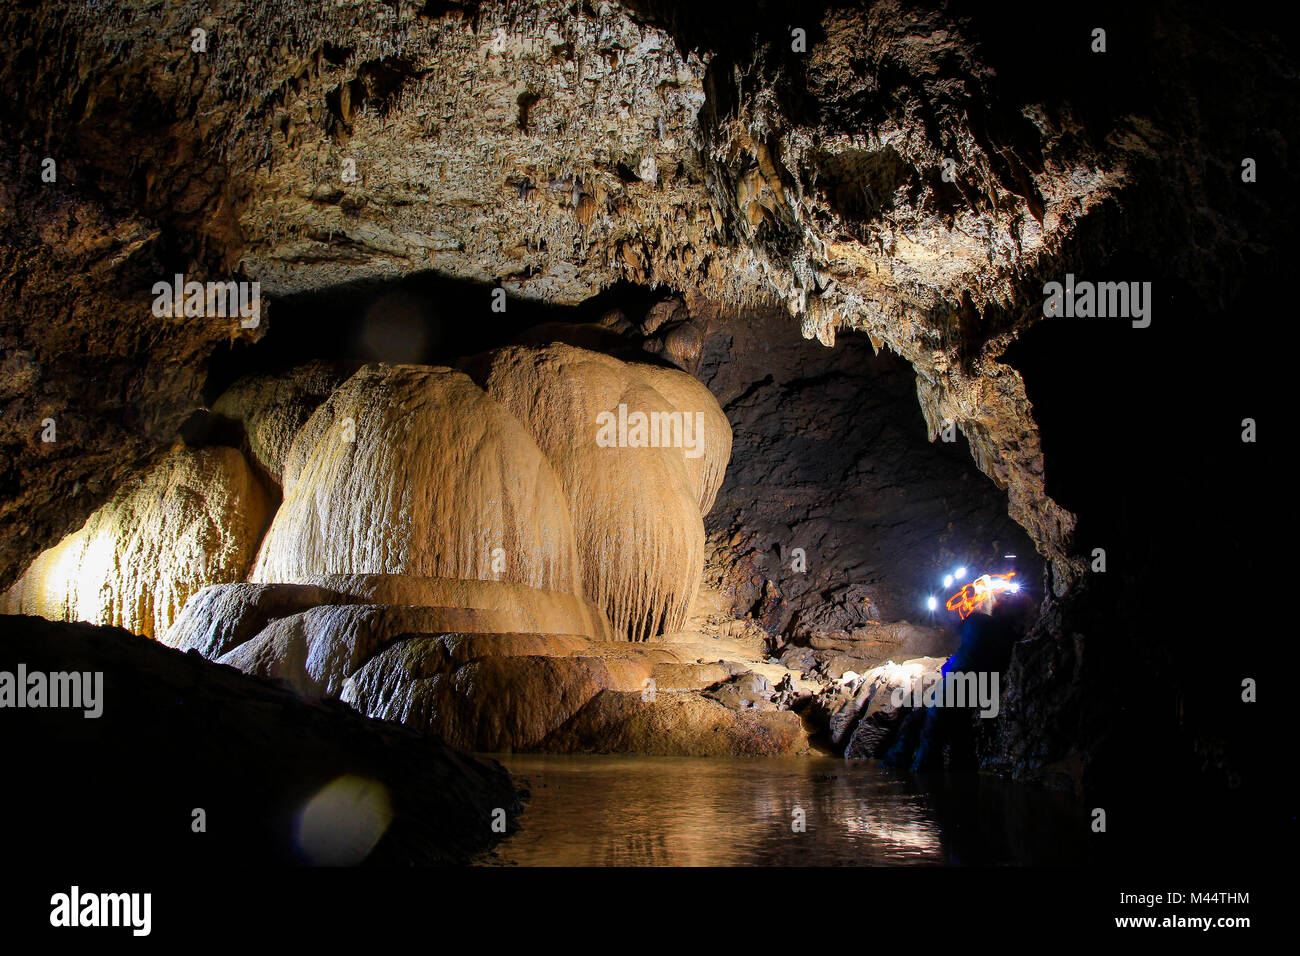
{"x":485,"y":605}
{"x":452,"y":671}
{"x":192,"y":520}
{"x":223,"y":616}
{"x":677,"y":725}
{"x":637,"y":510}
{"x":414,"y":470}
{"x":273,"y":408}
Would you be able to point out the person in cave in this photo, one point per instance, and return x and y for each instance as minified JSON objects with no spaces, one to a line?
{"x":941,"y":738}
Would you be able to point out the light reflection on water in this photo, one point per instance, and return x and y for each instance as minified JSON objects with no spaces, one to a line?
{"x":738,"y":811}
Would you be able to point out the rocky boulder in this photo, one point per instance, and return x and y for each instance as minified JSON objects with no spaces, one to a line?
{"x":278,"y":779}
{"x":680,"y":725}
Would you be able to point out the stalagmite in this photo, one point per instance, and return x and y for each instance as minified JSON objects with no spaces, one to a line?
{"x":413,"y":470}
{"x":192,"y":520}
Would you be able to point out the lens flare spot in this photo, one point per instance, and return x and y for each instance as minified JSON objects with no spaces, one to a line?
{"x":341,"y":824}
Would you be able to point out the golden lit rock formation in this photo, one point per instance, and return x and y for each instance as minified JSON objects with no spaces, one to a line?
{"x":485,"y":689}
{"x":191,"y":521}
{"x":222,"y":617}
{"x":497,"y":693}
{"x":484,"y":606}
{"x":273,"y":408}
{"x":689,"y":396}
{"x":635,"y":496}
{"x":414,"y":470}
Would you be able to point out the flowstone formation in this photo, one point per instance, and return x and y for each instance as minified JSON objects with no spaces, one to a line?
{"x":423,"y":566}
{"x":272,"y":408}
{"x":417,"y":472}
{"x":481,"y":681}
{"x":409,"y":470}
{"x":193,"y":520}
{"x":637,"y":508}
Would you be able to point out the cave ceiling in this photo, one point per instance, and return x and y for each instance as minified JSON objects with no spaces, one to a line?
{"x":863,"y":169}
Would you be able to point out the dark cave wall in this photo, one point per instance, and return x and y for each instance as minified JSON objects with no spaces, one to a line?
{"x":92,"y":386}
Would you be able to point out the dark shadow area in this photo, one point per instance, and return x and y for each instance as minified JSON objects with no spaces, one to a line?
{"x":425,"y":319}
{"x":1142,"y":435}
{"x":176,"y":734}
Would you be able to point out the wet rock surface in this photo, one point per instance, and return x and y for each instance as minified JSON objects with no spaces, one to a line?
{"x":483,"y":688}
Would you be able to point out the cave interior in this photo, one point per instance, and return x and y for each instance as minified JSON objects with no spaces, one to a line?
{"x":387,"y":504}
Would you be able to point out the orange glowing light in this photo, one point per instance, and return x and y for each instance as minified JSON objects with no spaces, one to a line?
{"x":980,"y":593}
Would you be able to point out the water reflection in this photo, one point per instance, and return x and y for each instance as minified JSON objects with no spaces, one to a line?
{"x":670,"y":811}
